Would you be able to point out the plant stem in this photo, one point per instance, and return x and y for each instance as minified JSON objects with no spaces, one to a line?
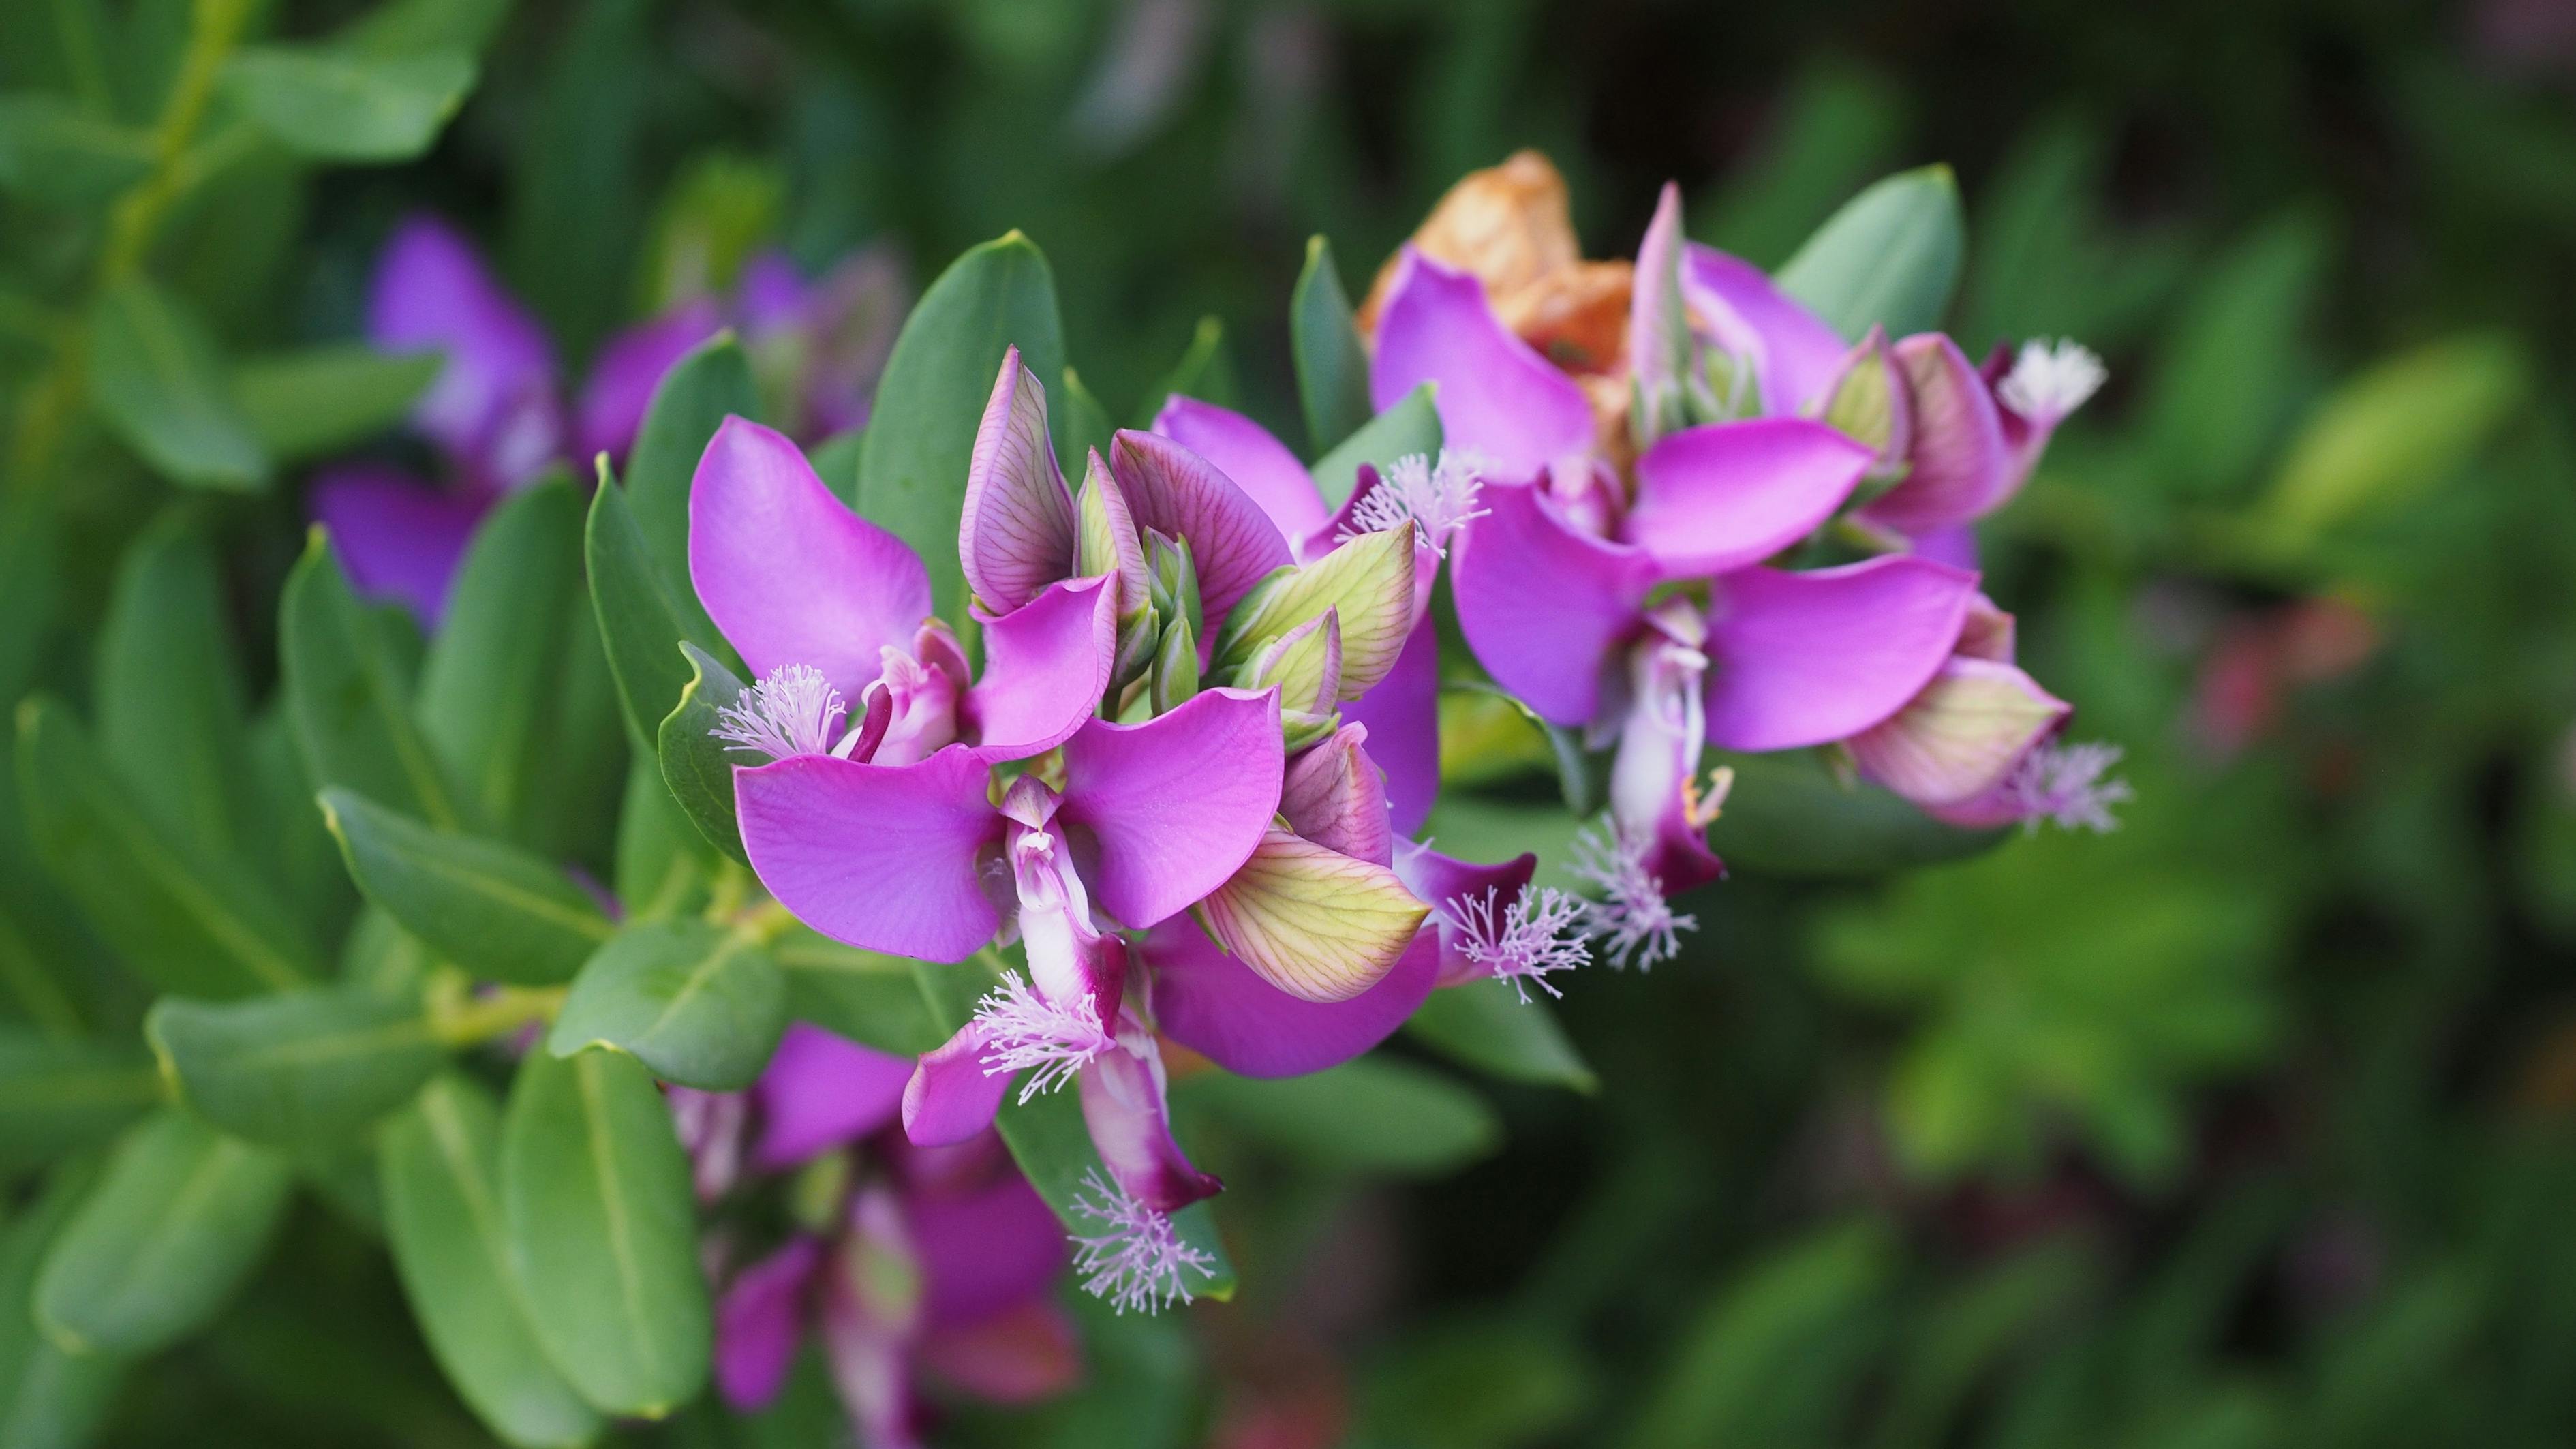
{"x":463,"y":1021}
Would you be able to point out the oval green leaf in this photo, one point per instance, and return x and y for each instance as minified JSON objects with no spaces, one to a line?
{"x":302,"y":1069}
{"x":439,"y":1167}
{"x":350,"y":105}
{"x":1324,"y":341}
{"x":49,"y":1398}
{"x":161,"y":385}
{"x":349,"y":695}
{"x":1486,"y":1025}
{"x":1373,"y":1115}
{"x":1411,"y":426}
{"x":494,"y":909}
{"x":319,"y":400}
{"x":603,"y":1232}
{"x":695,"y":764}
{"x":701,"y":1005}
{"x":1790,"y":815}
{"x":499,"y":659}
{"x":1889,"y":258}
{"x":59,"y":1094}
{"x":157,"y":1247}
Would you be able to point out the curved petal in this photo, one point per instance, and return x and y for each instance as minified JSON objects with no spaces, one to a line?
{"x":629,"y":368}
{"x":1179,"y":494}
{"x":1803,"y":658}
{"x":1212,"y":1003}
{"x":1245,"y":451}
{"x":879,"y":856}
{"x":493,"y":405}
{"x":1795,"y":353}
{"x":1444,"y":882}
{"x":951,"y":1097}
{"x":1955,"y":545}
{"x":1962,"y":736}
{"x":821,"y":1090}
{"x":1176,"y":804}
{"x":1335,"y":796}
{"x":1495,"y":394}
{"x":790,"y":574}
{"x":1542,"y":603}
{"x":399,"y":538}
{"x":1723,"y":495}
{"x":1045,"y":665}
{"x":1960,"y":466}
{"x":1131,"y":1124}
{"x":1015,"y":535}
{"x":984,"y":1247}
{"x":1402,"y":715}
{"x":760,"y":1320}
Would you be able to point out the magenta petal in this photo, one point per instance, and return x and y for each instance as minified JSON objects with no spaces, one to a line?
{"x":880,"y":856}
{"x":1045,"y":665}
{"x":1960,"y":467}
{"x":820,"y":1091}
{"x":1802,"y":658}
{"x":398,"y":537}
{"x":1335,"y":795}
{"x":1212,"y":1003}
{"x":1543,"y":604}
{"x":1444,"y":881}
{"x":950,"y":1097}
{"x":493,"y":406}
{"x":759,"y":1322}
{"x":1795,"y":354}
{"x":1131,"y":1125}
{"x":1174,"y":805}
{"x":984,"y":1247}
{"x":1402,"y":715}
{"x":1179,"y":494}
{"x":1496,"y":395}
{"x":629,"y":367}
{"x":1955,"y":546}
{"x":1723,"y":495}
{"x":788,"y":572}
{"x":1016,"y":534}
{"x":1246,"y":452}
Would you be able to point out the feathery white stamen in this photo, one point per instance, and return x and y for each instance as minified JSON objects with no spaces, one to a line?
{"x":1632,"y":919}
{"x":2049,"y":380}
{"x":2063,"y":784}
{"x":1441,"y":497}
{"x":1049,"y":1040}
{"x":1525,"y":941}
{"x":1140,"y":1261}
{"x":793,"y":712}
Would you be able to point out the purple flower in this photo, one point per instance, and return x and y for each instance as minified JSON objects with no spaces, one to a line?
{"x":495,"y":414}
{"x":931,"y":1264}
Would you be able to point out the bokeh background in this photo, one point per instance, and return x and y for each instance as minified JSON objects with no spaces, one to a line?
{"x":2253,"y":1123}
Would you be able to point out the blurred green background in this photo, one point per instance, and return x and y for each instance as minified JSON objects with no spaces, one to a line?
{"x":2251,"y":1124}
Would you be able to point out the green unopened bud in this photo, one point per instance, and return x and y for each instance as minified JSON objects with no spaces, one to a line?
{"x":1138,"y":638}
{"x":1174,"y":579}
{"x":1870,"y":404}
{"x":1306,"y":664}
{"x":1106,"y":541}
{"x":1176,"y":668}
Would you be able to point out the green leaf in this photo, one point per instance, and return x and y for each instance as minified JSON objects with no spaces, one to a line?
{"x":155,"y":1250}
{"x":1411,"y":426}
{"x":695,"y":764}
{"x":1889,"y":257}
{"x":440,"y":1170}
{"x":1202,"y":373}
{"x":349,"y":105}
{"x":1486,"y":1025}
{"x":701,"y":1005}
{"x":1081,"y":425}
{"x":603,"y":1231}
{"x":499,"y":658}
{"x":639,"y":619}
{"x":867,"y":996}
{"x":171,"y":716}
{"x":160,"y":384}
{"x":49,"y":1398}
{"x":692,"y":401}
{"x":320,"y":400}
{"x":664,"y":866}
{"x":494,"y":909}
{"x":58,"y":1094}
{"x":54,"y":153}
{"x":912,"y":466}
{"x":1332,"y":366}
{"x":1047,"y":1138}
{"x":2395,"y":431}
{"x":297,"y":1070}
{"x":1789,"y":815}
{"x":1374,"y":1114}
{"x":197,"y":924}
{"x":404,"y":27}
{"x":350,"y":697}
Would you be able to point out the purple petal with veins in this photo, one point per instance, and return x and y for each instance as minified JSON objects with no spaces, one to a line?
{"x":1249,"y":455}
{"x":1181,"y":495}
{"x":1016,"y":534}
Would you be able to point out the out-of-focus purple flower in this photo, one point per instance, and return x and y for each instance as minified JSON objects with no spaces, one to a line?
{"x":934,"y":1265}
